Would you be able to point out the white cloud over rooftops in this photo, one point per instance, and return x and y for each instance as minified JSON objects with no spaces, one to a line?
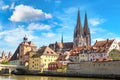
{"x":49,"y":34}
{"x":14,"y":35}
{"x":25,"y":13}
{"x":37,"y":26}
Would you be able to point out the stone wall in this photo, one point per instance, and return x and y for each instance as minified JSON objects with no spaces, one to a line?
{"x":100,"y":68}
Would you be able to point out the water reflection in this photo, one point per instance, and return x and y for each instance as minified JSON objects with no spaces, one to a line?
{"x":13,"y":77}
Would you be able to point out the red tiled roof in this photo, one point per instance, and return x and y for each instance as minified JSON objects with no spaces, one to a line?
{"x":62,"y":58}
{"x":67,"y":45}
{"x":44,"y":50}
{"x":106,"y":43}
{"x":76,"y":50}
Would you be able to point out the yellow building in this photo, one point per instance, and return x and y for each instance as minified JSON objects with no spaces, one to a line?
{"x":40,"y":61}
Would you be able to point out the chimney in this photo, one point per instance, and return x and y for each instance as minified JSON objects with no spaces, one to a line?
{"x":96,"y":40}
{"x":107,"y":40}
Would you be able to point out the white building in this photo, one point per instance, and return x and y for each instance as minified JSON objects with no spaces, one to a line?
{"x":79,"y":54}
{"x":101,"y":49}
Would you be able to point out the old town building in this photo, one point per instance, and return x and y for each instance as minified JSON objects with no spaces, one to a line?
{"x":79,"y":54}
{"x":5,"y":58}
{"x":20,"y":56}
{"x":101,"y":49}
{"x":42,"y":58}
{"x":98,"y":52}
{"x":108,"y":44}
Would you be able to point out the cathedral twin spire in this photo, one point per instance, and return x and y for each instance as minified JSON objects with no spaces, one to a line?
{"x":82,"y":36}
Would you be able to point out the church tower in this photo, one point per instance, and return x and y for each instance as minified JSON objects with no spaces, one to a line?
{"x":78,"y":39}
{"x":82,"y":36}
{"x":86,"y":30}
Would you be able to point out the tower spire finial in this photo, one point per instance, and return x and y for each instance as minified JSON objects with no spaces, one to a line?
{"x":25,"y":38}
{"x":62,"y":39}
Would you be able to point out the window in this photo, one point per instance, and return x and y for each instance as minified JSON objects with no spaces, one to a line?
{"x":103,"y":64}
{"x":83,"y":51}
{"x":45,"y":60}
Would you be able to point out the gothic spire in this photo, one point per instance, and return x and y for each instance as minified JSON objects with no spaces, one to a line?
{"x":3,"y":54}
{"x":78,"y":29}
{"x":10,"y":54}
{"x":86,"y":29}
{"x":62,"y":39}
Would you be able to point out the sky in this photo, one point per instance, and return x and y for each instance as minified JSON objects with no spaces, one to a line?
{"x":45,"y":21}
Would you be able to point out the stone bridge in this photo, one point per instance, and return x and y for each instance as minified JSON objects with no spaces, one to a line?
{"x":7,"y":69}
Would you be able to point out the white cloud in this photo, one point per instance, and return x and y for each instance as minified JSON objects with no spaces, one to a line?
{"x":10,"y":39}
{"x":5,"y":7}
{"x":96,"y":21}
{"x":49,"y":34}
{"x":25,"y":13}
{"x":36,"y":26}
{"x":12,"y":6}
{"x":96,"y":30}
{"x":14,"y":35}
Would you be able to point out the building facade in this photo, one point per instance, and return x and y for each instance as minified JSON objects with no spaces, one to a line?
{"x":20,"y":55}
{"x":79,"y":54}
{"x":42,"y":58}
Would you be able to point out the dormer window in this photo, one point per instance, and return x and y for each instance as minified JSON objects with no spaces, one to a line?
{"x":93,"y":50}
{"x":47,"y":51}
{"x":83,"y":51}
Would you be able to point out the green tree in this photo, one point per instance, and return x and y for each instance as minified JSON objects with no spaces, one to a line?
{"x":115,"y":54}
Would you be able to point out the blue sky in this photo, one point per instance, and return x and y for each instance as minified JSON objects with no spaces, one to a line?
{"x":44,"y":21}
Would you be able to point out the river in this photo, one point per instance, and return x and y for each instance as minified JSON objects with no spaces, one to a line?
{"x":14,"y":77}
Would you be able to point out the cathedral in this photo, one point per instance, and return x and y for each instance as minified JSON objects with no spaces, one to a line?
{"x":81,"y":37}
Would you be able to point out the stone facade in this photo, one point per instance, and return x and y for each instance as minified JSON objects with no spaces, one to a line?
{"x":22,"y":52}
{"x":101,"y":68}
{"x":82,"y":36}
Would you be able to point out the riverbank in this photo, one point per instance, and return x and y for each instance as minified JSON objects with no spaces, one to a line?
{"x":58,"y":74}
{"x":32,"y":77}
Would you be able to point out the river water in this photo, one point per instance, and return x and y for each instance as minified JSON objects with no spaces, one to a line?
{"x":14,"y":77}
